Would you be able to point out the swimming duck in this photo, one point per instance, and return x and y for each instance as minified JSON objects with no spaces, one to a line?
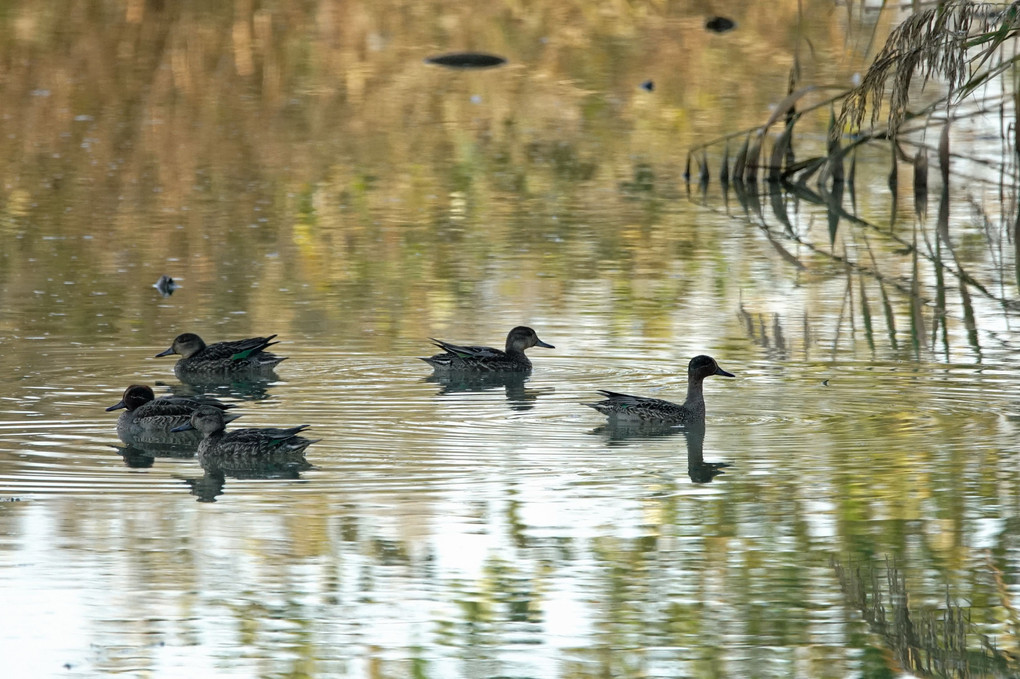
{"x":270,"y":444}
{"x":239,"y":358}
{"x":148,"y":416}
{"x":654,"y":410}
{"x":457,"y":357}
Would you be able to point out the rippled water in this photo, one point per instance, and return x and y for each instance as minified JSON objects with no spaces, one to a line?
{"x":492,"y":530}
{"x":855,"y":486}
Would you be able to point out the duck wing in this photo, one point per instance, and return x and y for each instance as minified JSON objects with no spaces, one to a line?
{"x":469,"y":352}
{"x":641,"y":407}
{"x":238,"y":350}
{"x":263,"y":442}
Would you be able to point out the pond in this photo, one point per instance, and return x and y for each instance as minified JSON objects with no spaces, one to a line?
{"x":849,"y":509}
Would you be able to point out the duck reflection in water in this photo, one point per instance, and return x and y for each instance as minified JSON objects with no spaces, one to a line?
{"x":138,"y":458}
{"x":699,"y":470}
{"x":140,"y":455}
{"x":269,"y":453}
{"x":249,"y":390}
{"x":622,"y":432}
{"x":211,"y":485}
{"x":518,"y":396}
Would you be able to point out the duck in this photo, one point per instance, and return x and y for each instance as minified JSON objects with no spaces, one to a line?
{"x":238,"y":358}
{"x":456,"y":357}
{"x":627,"y":408}
{"x":146,"y":416}
{"x":249,"y":445}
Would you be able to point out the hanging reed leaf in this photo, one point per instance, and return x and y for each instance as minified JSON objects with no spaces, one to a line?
{"x":804,"y":169}
{"x":942,"y":222}
{"x":968,"y":317}
{"x":944,"y":153}
{"x":777,"y":199}
{"x":687,"y":170}
{"x":866,"y":313}
{"x":834,"y":208}
{"x":834,"y":166}
{"x":724,"y":171}
{"x":890,"y":317}
{"x":791,"y":84}
{"x":741,"y":191}
{"x":832,"y":144}
{"x":894,"y":175}
{"x":921,"y":182}
{"x":703,"y":173}
{"x":934,"y":43}
{"x":741,"y":160}
{"x":850,"y":182}
{"x":749,"y":200}
{"x":938,"y":317}
{"x":751,"y":162}
{"x":779,"y":152}
{"x":918,"y":333}
{"x":1016,"y":245}
{"x":1016,"y":123}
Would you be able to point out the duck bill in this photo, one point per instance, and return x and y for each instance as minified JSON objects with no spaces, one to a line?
{"x":184,"y":427}
{"x":540,"y":343}
{"x":165,"y":353}
{"x":117,"y":407}
{"x":723,"y":373}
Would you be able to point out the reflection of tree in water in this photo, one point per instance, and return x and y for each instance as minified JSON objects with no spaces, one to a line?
{"x":925,"y":641}
{"x":756,"y":327}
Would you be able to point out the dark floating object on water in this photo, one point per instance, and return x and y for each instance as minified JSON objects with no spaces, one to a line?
{"x":648,"y":86}
{"x":466,"y":60}
{"x":165,"y":285}
{"x":720,"y":24}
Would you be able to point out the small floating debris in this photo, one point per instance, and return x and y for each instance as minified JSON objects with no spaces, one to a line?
{"x":648,"y":86}
{"x":466,"y":60}
{"x":720,"y":24}
{"x":165,"y":285}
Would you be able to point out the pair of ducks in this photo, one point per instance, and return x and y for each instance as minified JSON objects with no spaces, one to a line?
{"x":617,"y":406}
{"x":249,"y":358}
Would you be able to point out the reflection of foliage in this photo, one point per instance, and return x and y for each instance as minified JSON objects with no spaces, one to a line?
{"x":925,"y":641}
